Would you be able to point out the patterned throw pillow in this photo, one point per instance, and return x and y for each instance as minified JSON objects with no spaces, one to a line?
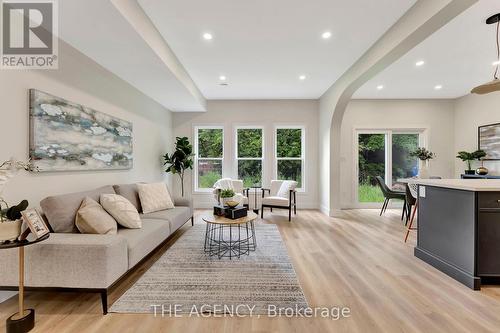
{"x":122,"y":210}
{"x":154,"y":197}
{"x":91,"y":218}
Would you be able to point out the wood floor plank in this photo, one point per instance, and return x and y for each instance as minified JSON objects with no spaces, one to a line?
{"x":356,"y":259}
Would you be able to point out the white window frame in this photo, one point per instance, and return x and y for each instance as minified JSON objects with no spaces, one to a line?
{"x":388,"y":132}
{"x":237,"y":159}
{"x":302,"y":158}
{"x":197,"y":159}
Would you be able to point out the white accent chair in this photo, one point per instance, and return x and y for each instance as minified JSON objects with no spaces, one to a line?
{"x":282,"y":195}
{"x":241,"y":193}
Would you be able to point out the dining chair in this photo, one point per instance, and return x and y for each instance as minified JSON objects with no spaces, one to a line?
{"x":414,"y":193}
{"x":390,"y":195}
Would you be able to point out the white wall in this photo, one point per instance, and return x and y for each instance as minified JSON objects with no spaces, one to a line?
{"x":472,"y":111}
{"x":436,"y":116}
{"x":260,"y":113}
{"x":80,"y":80}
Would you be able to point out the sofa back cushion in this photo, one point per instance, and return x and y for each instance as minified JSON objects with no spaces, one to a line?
{"x":61,"y":210}
{"x":130,"y":192}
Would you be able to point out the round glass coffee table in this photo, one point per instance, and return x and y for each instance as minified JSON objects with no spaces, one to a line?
{"x":230,"y":238}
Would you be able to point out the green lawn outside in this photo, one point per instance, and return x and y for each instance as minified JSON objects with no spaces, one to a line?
{"x":370,"y":193}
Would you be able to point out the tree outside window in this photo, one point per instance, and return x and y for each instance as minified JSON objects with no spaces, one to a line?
{"x":249,"y":155}
{"x":209,"y":156}
{"x":289,"y":154}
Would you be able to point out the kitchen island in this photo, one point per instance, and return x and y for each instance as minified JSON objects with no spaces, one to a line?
{"x":459,"y":228}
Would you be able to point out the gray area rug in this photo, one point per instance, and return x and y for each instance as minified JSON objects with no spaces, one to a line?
{"x":186,"y":280}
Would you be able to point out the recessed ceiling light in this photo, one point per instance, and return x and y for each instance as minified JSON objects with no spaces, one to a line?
{"x":222,"y":78}
{"x":302,"y":77}
{"x":326,"y":35}
{"x":419,"y":63}
{"x":207,"y":36}
{"x":438,"y":87}
{"x":495,"y":63}
{"x":380,"y":87}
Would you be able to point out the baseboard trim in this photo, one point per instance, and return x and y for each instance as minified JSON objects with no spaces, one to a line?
{"x":451,"y":270}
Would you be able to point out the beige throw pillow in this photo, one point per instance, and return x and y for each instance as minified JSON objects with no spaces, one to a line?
{"x":91,"y":218}
{"x":154,"y":197}
{"x":122,"y":210}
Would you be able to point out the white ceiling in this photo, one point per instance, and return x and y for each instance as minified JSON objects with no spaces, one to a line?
{"x":459,"y":57}
{"x":98,"y":30}
{"x":263,"y":46}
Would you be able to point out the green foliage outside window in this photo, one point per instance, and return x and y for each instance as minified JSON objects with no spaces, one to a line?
{"x":249,"y":142}
{"x":210,"y":142}
{"x":250,"y":146}
{"x":290,"y":170}
{"x":210,"y":146}
{"x":372,"y":150}
{"x":289,"y":142}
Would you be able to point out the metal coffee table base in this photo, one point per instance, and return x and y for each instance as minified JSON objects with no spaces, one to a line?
{"x":229,"y":240}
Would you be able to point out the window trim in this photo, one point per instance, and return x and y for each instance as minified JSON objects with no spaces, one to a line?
{"x":237,"y":159}
{"x":196,"y":128}
{"x":302,"y":189}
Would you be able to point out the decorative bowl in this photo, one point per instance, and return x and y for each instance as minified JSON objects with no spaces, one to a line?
{"x":232,"y":203}
{"x":10,"y":230}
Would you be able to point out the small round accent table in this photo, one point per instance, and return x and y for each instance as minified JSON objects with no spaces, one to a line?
{"x":230,"y":238}
{"x":24,"y":319}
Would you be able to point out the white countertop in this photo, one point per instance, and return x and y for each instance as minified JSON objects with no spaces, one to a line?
{"x":477,"y":185}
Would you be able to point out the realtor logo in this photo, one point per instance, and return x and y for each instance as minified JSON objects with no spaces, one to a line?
{"x":29,"y":34}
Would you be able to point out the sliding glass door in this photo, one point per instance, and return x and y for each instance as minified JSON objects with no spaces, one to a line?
{"x":385,"y":154}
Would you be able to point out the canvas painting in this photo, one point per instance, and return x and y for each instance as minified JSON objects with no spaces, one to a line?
{"x":489,"y":141}
{"x":66,"y":136}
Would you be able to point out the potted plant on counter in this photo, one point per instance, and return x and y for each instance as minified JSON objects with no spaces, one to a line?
{"x":468,"y":157}
{"x":424,"y":157}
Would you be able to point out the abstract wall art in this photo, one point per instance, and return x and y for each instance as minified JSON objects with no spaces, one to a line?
{"x":66,"y":136}
{"x":489,"y":141}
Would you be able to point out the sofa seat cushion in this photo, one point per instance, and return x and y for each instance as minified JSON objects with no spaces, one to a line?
{"x":176,"y":216}
{"x":275,"y":201}
{"x":61,"y":210}
{"x":68,"y":261}
{"x":140,"y":242}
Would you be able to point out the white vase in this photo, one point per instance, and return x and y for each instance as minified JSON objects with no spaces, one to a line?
{"x":423,"y":170}
{"x":10,"y":230}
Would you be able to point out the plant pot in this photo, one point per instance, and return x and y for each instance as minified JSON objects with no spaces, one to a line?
{"x":470,"y":172}
{"x":10,"y":230}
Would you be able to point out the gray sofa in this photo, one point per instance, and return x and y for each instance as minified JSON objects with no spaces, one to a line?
{"x":70,"y":261}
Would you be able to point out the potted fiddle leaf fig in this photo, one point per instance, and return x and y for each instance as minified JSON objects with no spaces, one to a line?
{"x":180,"y":160}
{"x":468,"y":157}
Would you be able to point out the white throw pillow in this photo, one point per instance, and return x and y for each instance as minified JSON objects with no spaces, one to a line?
{"x":122,"y":210}
{"x":285,"y":188}
{"x":154,"y":197}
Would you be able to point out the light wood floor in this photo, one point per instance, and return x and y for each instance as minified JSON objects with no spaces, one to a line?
{"x":357,"y":259}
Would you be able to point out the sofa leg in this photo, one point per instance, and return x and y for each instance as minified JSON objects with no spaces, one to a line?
{"x":104,"y":301}
{"x":262,"y":212}
{"x":192,"y":220}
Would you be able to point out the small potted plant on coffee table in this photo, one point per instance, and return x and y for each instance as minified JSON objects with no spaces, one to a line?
{"x":227,"y":198}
